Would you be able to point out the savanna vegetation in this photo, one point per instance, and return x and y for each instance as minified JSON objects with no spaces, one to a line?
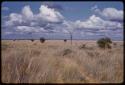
{"x":54,"y":61}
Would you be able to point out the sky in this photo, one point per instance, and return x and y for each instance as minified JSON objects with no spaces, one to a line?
{"x":55,"y":20}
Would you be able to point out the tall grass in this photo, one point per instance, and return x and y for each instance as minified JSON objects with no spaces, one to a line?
{"x":57,"y":62}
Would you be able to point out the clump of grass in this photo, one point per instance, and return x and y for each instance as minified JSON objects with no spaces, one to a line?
{"x":14,"y":68}
{"x":4,"y":46}
{"x":71,"y":74}
{"x":35,"y":44}
{"x":93,"y":53}
{"x":35,"y":52}
{"x":83,"y":46}
{"x":90,"y":53}
{"x":67,"y":51}
{"x":114,"y":43}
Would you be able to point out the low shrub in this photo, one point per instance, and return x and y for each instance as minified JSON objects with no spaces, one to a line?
{"x":67,"y":51}
{"x":82,"y":46}
{"x":4,"y":46}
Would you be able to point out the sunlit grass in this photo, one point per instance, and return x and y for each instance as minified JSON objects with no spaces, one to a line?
{"x":59,"y":62}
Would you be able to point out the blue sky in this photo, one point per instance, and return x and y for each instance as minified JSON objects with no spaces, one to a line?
{"x":86,"y":20}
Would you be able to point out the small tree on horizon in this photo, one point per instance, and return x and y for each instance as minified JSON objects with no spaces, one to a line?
{"x":42,"y":39}
{"x":65,"y":40}
{"x":14,"y":40}
{"x":32,"y":40}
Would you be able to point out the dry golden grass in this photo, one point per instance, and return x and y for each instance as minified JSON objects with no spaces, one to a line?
{"x":56,"y":61}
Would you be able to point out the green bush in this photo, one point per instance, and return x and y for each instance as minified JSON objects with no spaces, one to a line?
{"x":104,"y":42}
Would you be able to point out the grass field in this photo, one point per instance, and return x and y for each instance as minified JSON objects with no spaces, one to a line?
{"x":56,"y":61}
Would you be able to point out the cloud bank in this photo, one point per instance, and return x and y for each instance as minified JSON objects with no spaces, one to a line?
{"x":50,"y":20}
{"x":27,"y":21}
{"x":98,"y":23}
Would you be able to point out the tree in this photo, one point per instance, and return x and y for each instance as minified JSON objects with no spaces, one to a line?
{"x":65,"y":40}
{"x":104,"y":42}
{"x":42,"y":39}
{"x":14,"y":40}
{"x":32,"y":40}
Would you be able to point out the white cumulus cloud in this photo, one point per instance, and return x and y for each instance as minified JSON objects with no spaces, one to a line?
{"x":27,"y":12}
{"x":27,"y":20}
{"x":29,"y":29}
{"x":112,"y":14}
{"x":97,"y":22}
{"x":14,"y":19}
{"x":49,"y":14}
{"x":51,"y":20}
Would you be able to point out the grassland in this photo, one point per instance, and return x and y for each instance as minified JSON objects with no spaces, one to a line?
{"x":56,"y":61}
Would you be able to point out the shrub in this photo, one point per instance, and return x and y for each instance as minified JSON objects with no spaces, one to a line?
{"x":65,"y":40}
{"x":104,"y":42}
{"x":67,"y":51}
{"x":82,"y":46}
{"x":32,"y":40}
{"x":42,"y":40}
{"x":4,"y":46}
{"x":114,"y":44}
